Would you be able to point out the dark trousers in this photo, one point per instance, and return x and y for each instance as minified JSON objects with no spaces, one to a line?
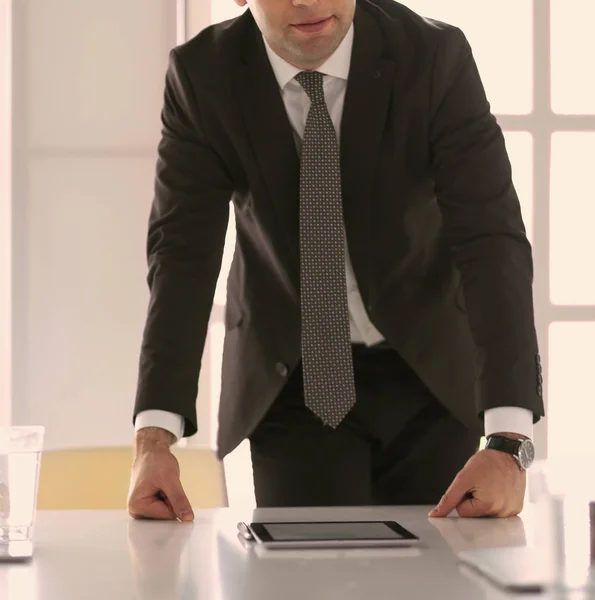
{"x":398,"y":445}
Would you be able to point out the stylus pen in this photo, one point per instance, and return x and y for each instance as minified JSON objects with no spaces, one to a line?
{"x":245,"y":531}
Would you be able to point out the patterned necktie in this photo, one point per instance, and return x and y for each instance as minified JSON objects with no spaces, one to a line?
{"x":329,"y":387}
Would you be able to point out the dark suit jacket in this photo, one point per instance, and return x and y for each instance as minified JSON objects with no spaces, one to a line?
{"x":432,"y":219}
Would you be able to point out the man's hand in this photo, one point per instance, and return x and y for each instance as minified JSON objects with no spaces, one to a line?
{"x":491,"y":484}
{"x":155,"y":488}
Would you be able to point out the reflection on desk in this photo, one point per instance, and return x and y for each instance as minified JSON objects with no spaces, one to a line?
{"x":422,"y":572}
{"x":326,"y":553}
{"x":469,"y":534}
{"x":159,"y":557}
{"x":99,"y":555}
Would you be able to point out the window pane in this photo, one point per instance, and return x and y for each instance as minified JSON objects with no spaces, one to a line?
{"x":572,"y":214}
{"x":230,"y":242}
{"x":571,"y":405}
{"x":221,"y":10}
{"x":573,"y":50}
{"x":238,"y":464}
{"x":239,"y":478}
{"x":520,"y":151}
{"x":502,"y":45}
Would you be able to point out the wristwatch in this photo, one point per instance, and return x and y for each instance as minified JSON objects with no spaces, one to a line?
{"x":523,"y":451}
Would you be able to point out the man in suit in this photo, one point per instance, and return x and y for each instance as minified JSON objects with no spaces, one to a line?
{"x":379,"y":310}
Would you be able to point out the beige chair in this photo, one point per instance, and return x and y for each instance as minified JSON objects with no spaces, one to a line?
{"x":99,"y":478}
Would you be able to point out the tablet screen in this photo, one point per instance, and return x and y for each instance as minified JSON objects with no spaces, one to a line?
{"x":348,"y":530}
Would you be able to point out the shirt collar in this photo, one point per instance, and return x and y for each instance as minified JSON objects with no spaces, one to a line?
{"x":337,"y":65}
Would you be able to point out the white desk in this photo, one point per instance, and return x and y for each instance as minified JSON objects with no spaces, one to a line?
{"x":107,"y":556}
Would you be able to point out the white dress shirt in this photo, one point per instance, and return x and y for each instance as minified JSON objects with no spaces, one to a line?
{"x":297,"y":104}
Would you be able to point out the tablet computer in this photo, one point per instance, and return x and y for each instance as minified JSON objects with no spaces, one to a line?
{"x":328,"y":534}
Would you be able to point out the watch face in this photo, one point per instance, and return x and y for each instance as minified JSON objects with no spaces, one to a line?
{"x":526,"y":454}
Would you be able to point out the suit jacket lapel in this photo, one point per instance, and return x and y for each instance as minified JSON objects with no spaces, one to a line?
{"x":271,"y":137}
{"x":364,"y":115}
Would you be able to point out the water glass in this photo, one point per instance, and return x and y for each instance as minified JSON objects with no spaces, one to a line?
{"x":563,"y":504}
{"x":20,"y":455}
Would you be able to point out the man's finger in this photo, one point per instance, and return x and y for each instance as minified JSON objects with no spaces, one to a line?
{"x":178,"y":500}
{"x":473,"y":508}
{"x":151,"y":508}
{"x":452,"y":498}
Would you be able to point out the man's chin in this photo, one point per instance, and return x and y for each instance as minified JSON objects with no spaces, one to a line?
{"x":315,"y":52}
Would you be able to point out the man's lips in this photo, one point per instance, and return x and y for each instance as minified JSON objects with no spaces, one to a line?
{"x":312,"y":21}
{"x":312,"y":25}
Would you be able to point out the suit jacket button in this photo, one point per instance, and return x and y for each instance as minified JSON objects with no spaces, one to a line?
{"x":282,"y":369}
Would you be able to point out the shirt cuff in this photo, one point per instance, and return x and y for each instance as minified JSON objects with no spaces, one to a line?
{"x":164,"y":419}
{"x":508,"y":419}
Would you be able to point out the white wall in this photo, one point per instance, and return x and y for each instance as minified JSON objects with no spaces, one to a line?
{"x":5,"y":212}
{"x":88,"y":93}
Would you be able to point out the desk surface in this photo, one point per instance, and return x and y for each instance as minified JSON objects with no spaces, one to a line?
{"x":99,"y":555}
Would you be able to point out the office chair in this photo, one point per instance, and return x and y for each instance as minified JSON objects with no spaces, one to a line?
{"x":98,"y":478}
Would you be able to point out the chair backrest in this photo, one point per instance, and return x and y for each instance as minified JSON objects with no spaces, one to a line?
{"x":99,"y":478}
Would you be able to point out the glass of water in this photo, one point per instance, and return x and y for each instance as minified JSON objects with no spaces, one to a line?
{"x":20,"y":454}
{"x":563,"y":502}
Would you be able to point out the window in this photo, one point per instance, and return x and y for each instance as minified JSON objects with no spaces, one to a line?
{"x":547,"y":111}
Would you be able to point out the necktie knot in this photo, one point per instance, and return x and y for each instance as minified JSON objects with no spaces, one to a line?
{"x":311,"y":81}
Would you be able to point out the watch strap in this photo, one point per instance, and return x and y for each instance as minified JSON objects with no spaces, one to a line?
{"x":504,"y":444}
